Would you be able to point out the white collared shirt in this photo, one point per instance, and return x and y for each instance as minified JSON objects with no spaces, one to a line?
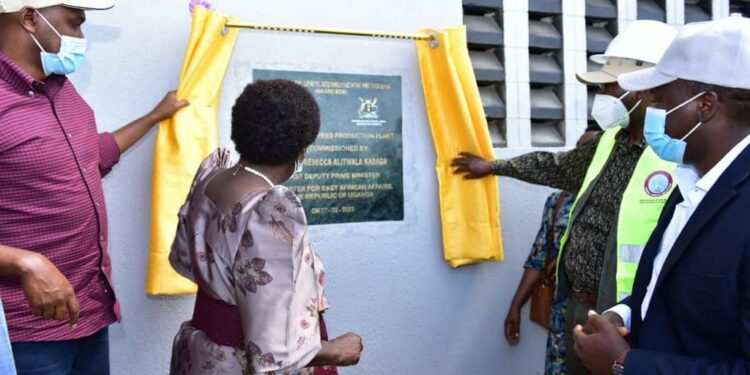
{"x":693,"y":189}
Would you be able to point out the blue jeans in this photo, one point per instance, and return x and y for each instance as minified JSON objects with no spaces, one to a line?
{"x":85,"y":356}
{"x":7,"y":367}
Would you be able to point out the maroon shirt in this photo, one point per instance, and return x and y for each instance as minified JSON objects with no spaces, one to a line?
{"x":51,"y":200}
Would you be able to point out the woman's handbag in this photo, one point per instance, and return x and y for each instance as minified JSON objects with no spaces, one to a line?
{"x":544,"y":290}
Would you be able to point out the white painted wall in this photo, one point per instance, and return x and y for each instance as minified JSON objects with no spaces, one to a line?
{"x":388,"y":281}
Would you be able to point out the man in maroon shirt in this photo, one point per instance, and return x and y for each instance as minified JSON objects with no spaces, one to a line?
{"x":55,"y":272}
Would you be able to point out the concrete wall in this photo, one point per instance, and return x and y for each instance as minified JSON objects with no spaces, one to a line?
{"x":387,"y":281}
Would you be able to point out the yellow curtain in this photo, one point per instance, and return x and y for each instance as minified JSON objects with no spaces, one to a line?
{"x":470,"y":209}
{"x":185,"y":140}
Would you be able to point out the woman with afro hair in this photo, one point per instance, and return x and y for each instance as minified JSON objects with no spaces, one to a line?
{"x":242,"y":237}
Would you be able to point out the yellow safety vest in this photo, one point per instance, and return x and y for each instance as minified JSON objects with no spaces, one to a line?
{"x":641,"y":206}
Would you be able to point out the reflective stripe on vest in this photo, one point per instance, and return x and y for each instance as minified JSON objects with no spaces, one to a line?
{"x":640,"y":208}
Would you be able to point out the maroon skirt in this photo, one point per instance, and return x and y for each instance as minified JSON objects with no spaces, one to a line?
{"x":221,"y":322}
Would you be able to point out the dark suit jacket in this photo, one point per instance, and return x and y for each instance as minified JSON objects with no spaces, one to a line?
{"x":698,"y":320}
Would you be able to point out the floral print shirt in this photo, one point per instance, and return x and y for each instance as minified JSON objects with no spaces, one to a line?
{"x":590,"y":231}
{"x":258,"y":258}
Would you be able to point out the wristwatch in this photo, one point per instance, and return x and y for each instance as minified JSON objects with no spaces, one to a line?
{"x":618,"y":368}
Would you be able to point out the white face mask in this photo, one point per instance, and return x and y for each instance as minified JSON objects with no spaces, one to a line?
{"x":609,"y":111}
{"x":299,"y":164}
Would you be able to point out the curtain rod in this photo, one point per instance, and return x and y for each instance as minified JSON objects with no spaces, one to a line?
{"x":416,"y":36}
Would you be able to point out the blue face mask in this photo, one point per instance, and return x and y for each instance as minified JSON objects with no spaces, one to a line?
{"x":70,"y":58}
{"x":654,"y":130}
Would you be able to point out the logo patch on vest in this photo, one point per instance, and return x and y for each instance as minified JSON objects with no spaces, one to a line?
{"x":658,"y":183}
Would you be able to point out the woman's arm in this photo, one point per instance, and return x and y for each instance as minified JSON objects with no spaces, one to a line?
{"x":341,"y":351}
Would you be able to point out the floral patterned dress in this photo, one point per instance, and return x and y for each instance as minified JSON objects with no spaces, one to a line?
{"x":555,"y":359}
{"x":256,"y":257}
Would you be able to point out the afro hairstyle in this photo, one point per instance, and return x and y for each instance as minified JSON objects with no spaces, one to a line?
{"x":274,"y":121}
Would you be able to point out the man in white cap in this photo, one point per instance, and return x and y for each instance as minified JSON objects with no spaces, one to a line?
{"x":613,"y":214}
{"x":55,"y":271}
{"x":689,"y":312}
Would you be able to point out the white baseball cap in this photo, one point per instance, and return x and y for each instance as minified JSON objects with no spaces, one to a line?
{"x":714,"y":52}
{"x":642,"y":40}
{"x":612,"y":69}
{"x":641,"y":45}
{"x":12,"y":6}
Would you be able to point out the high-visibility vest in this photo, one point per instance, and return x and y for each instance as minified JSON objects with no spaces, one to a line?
{"x":640,"y":208}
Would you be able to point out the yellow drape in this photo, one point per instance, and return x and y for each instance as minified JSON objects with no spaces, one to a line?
{"x":185,"y":140}
{"x":470,"y":210}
